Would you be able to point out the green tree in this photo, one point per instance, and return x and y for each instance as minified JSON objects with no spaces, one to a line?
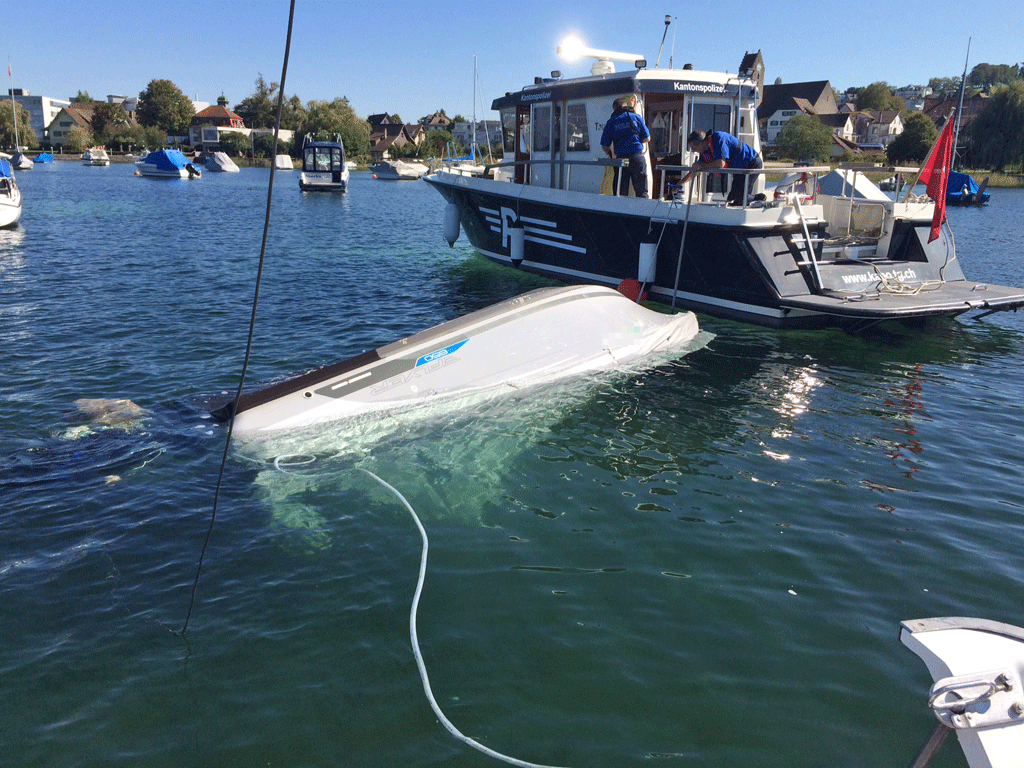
{"x":265,"y":145}
{"x":293,"y":114}
{"x":26,"y":136}
{"x":944,"y":86}
{"x":152,"y":137}
{"x":163,"y":105}
{"x":805,"y":137}
{"x":326,"y":119}
{"x":259,"y":109}
{"x":105,"y":119}
{"x":988,"y":75}
{"x":878,"y":96}
{"x":82,"y":97}
{"x":434,"y":144}
{"x":913,"y":145}
{"x":123,"y":134}
{"x":235,"y":144}
{"x":997,"y":133}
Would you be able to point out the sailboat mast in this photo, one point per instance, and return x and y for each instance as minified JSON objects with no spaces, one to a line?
{"x":14,"y":110}
{"x":472,"y":144}
{"x":960,"y":107}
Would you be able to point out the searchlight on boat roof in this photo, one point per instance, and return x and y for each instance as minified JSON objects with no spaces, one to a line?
{"x":572,"y":48}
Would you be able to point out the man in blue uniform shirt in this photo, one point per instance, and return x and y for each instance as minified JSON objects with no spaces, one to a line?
{"x":626,"y":130}
{"x":725,"y":151}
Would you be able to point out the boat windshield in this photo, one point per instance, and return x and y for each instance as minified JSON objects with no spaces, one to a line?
{"x":323,"y":159}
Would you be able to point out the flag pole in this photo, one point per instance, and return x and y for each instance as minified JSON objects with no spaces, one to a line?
{"x":910,"y":187}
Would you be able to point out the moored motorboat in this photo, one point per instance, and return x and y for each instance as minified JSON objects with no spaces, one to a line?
{"x":96,"y":156}
{"x":10,"y":196}
{"x":539,"y":337}
{"x":963,"y":190}
{"x":323,"y":166}
{"x":284,"y":163}
{"x":219,"y":162}
{"x":42,"y":158}
{"x":167,"y":164}
{"x":809,"y":259}
{"x":398,"y":170}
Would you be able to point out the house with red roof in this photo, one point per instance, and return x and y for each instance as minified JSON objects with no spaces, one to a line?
{"x":206,"y":126}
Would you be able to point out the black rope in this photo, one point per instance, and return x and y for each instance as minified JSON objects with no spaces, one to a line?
{"x":252,"y":319}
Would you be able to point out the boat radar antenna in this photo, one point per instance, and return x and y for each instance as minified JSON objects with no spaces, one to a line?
{"x":668,"y":23}
{"x":573,"y":48}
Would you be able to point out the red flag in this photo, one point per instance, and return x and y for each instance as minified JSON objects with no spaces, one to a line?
{"x":935,"y":176}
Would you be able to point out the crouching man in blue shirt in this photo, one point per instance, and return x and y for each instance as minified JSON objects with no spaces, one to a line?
{"x":626,"y":130}
{"x":725,"y":151}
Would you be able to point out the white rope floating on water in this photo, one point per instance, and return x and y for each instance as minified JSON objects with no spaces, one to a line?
{"x":416,"y":645}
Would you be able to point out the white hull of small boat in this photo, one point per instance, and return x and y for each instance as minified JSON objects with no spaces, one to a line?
{"x":978,"y":691}
{"x":540,"y":337}
{"x":10,"y":210}
{"x":399,"y":170}
{"x":95,"y":156}
{"x":147,"y":169}
{"x":10,"y":196}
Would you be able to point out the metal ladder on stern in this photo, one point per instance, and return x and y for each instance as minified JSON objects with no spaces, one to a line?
{"x":807,"y":243}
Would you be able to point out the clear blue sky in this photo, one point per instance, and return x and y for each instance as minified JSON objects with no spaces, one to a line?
{"x":413,"y":58}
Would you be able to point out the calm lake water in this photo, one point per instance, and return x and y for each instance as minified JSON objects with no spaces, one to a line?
{"x":703,"y":564}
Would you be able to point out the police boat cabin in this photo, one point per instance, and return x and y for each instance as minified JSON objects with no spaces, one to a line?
{"x":797,"y":253}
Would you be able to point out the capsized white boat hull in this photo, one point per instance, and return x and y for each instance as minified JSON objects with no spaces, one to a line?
{"x":538,"y":337}
{"x":978,"y":669}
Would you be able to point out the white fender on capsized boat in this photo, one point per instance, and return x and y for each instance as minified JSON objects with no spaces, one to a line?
{"x":539,"y":337}
{"x":978,"y":691}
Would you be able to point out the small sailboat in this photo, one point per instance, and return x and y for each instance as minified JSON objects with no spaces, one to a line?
{"x":962,"y":189}
{"x":10,"y":196}
{"x":19,"y":161}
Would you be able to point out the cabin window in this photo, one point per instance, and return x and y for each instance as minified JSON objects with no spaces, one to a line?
{"x":508,"y":130}
{"x":706,"y":116}
{"x":661,"y":132}
{"x":577,"y":136}
{"x":542,"y":129}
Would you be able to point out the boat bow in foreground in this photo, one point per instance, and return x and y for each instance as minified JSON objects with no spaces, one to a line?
{"x":978,"y":691}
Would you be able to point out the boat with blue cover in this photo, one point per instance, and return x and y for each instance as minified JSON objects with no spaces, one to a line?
{"x":10,"y":196}
{"x":167,"y":164}
{"x":43,"y":157}
{"x":963,"y":190}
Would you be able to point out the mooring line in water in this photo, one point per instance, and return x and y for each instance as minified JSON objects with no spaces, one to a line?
{"x":252,"y":321}
{"x":413,"y":636}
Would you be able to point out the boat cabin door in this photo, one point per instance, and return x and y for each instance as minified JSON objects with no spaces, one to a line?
{"x":522,"y":142}
{"x":544,"y":144}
